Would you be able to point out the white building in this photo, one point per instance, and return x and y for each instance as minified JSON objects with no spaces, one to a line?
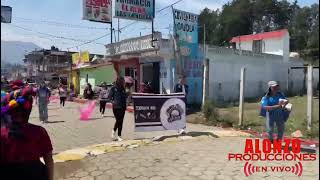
{"x":224,"y":74}
{"x":274,"y":42}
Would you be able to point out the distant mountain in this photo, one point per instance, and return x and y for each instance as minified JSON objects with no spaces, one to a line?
{"x":13,"y":51}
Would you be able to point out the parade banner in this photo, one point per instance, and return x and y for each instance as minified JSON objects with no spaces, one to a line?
{"x":135,"y":10}
{"x":97,"y":10}
{"x":159,"y":112}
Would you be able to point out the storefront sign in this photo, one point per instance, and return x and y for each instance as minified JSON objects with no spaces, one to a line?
{"x":134,"y":45}
{"x":97,"y":10}
{"x":6,"y":14}
{"x":186,"y":26}
{"x":82,"y":57}
{"x":141,"y":10}
{"x":156,"y":112}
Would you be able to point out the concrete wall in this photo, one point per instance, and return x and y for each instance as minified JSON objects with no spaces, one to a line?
{"x":224,"y":74}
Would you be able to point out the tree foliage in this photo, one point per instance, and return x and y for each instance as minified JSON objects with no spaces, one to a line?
{"x":241,"y":17}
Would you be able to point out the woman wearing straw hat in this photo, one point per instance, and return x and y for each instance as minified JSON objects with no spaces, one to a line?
{"x":273,"y":108}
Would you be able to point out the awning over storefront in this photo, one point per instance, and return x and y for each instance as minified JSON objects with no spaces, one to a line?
{"x":134,"y":46}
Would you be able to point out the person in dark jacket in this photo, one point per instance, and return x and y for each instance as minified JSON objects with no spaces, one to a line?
{"x":182,"y":87}
{"x":118,"y":98}
{"x":88,"y":92}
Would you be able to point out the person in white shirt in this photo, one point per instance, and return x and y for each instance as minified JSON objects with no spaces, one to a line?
{"x":63,"y":95}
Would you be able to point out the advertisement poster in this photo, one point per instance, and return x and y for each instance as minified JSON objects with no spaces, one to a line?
{"x":189,"y":58}
{"x":186,"y":26}
{"x":79,"y":58}
{"x":143,"y":10}
{"x":159,"y":112}
{"x":97,"y":10}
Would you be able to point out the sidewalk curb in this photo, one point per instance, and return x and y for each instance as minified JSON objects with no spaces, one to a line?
{"x":97,"y":149}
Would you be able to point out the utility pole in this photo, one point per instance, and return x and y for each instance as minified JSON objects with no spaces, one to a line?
{"x":205,"y":69}
{"x":309,"y":96}
{"x":70,"y":62}
{"x":111,"y":37}
{"x":241,"y":99}
{"x":118,"y":30}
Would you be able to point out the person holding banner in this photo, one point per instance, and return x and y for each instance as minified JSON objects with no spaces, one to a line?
{"x":182,"y":87}
{"x":118,"y":98}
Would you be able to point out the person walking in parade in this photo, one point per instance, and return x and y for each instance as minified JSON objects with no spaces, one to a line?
{"x":118,"y":98}
{"x":88,"y":92}
{"x":273,"y":109}
{"x":22,"y":143}
{"x":182,"y":87}
{"x":63,"y":94}
{"x":43,"y":100}
{"x":103,"y":97}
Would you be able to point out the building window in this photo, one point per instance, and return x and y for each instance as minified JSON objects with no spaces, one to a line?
{"x":257,"y":46}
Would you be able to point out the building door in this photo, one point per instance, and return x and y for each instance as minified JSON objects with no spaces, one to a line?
{"x":150,"y":73}
{"x":132,"y":72}
{"x":156,"y":78}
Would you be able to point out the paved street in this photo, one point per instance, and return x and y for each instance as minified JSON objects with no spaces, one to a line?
{"x":204,"y":158}
{"x":68,"y":132}
{"x":199,"y":158}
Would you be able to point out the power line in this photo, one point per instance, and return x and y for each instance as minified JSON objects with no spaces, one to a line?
{"x":90,"y":41}
{"x":60,"y":24}
{"x":169,"y":6}
{"x":51,"y":35}
{"x":135,"y":22}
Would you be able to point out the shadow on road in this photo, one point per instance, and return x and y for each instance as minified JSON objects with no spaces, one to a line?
{"x":108,"y":116}
{"x":52,"y":115}
{"x":53,"y":108}
{"x":192,"y":134}
{"x":52,"y":122}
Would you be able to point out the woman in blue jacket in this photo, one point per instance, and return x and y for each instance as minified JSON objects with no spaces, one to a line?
{"x":273,"y":108}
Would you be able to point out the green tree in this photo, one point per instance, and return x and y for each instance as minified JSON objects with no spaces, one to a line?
{"x":241,"y":17}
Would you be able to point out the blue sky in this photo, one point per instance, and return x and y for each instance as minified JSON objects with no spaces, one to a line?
{"x":30,"y":14}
